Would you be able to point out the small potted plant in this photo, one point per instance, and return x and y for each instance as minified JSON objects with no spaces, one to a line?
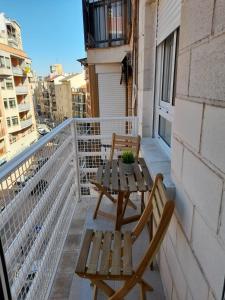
{"x":128,"y":161}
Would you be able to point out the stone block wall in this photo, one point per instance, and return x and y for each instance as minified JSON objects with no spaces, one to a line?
{"x":192,"y":260}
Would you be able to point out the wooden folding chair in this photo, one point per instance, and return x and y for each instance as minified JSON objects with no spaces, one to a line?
{"x":108,"y":255}
{"x":119,"y":143}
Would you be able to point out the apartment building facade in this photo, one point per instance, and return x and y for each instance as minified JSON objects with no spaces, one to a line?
{"x":17,"y":124}
{"x":107,"y":32}
{"x":177,"y":58}
{"x":70,"y":93}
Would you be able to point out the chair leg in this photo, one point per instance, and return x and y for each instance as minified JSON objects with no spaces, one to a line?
{"x":98,"y":204}
{"x":95,"y":293}
{"x":144,"y":287}
{"x":131,"y":204}
{"x":104,"y":287}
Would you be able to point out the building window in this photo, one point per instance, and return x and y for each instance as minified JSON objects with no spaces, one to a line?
{"x":7,"y":62}
{"x":8,"y":122}
{"x":5,"y":103}
{"x":2,"y":84}
{"x":15,"y":121}
{"x":2,"y":62}
{"x":164,"y":87}
{"x":9,"y":84}
{"x":12,"y":102}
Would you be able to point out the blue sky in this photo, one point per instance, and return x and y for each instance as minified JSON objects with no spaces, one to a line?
{"x":52,"y":31}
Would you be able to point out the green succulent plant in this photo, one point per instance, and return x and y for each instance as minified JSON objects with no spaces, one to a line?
{"x":127,"y":157}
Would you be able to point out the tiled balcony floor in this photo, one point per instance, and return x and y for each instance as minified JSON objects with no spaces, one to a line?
{"x":67,"y":285}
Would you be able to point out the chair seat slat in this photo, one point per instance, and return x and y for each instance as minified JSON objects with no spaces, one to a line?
{"x":127,"y":254}
{"x":105,"y":259}
{"x":116,"y":255}
{"x":81,"y":264}
{"x":95,"y":252}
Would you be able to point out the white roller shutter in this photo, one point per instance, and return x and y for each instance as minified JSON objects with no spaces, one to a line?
{"x":169,"y":13}
{"x":111,"y":95}
{"x":111,"y":104}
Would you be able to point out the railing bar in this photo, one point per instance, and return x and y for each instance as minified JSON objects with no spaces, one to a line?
{"x":21,"y":277}
{"x":10,"y":253}
{"x":20,"y":158}
{"x":67,"y":207}
{"x":18,"y":199}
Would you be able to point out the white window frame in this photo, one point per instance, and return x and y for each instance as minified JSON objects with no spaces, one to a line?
{"x":162,"y":108}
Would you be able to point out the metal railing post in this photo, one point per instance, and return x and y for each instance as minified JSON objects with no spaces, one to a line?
{"x":76,"y":158}
{"x":5,"y":293}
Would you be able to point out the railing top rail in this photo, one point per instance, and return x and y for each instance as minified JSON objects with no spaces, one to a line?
{"x":99,"y":119}
{"x":23,"y":156}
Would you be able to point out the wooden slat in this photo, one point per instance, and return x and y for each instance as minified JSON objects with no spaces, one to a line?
{"x":127,"y":254}
{"x":140,"y":180}
{"x":116,"y":255}
{"x":81,"y":264}
{"x":115,"y":183}
{"x":99,"y":174}
{"x":95,"y":252}
{"x":156,"y":212}
{"x":159,"y":200}
{"x":106,"y":175}
{"x":162,"y":192}
{"x":122,"y":178}
{"x":124,"y":137}
{"x":105,"y":259}
{"x":132,"y":183}
{"x":146,"y":173}
{"x":126,"y":143}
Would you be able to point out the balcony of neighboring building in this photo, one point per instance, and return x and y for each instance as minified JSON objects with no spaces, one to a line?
{"x":23,"y":107}
{"x":21,"y":86}
{"x":26,"y":122}
{"x":17,"y":71}
{"x":21,"y":89}
{"x":106,"y":23}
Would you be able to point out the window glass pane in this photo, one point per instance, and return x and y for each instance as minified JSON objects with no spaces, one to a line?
{"x":167,"y":68}
{"x":2,"y":84}
{"x":165,"y":130}
{"x":5,"y":103}
{"x":9,"y":84}
{"x":2,"y":62}
{"x":12,"y":102}
{"x":15,"y":121}
{"x":7,"y":63}
{"x":8,"y":122}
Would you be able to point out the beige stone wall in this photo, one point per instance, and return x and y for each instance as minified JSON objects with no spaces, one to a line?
{"x":146,"y":65}
{"x":193,"y":257}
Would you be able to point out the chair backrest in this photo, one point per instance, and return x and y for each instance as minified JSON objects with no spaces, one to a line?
{"x":158,"y":202}
{"x":160,"y":208}
{"x":124,"y":143}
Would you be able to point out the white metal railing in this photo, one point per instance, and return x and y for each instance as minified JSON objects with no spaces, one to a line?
{"x":23,"y":106}
{"x":20,"y":90}
{"x":39,"y":190}
{"x":26,"y":123}
{"x":17,"y":71}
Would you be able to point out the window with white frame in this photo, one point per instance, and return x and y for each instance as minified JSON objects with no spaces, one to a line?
{"x":165,"y":87}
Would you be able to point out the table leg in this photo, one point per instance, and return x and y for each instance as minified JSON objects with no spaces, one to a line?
{"x":119,"y":213}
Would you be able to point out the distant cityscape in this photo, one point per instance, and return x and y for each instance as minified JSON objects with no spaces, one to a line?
{"x":32,"y":105}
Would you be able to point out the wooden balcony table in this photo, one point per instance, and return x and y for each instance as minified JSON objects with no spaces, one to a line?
{"x":111,"y":176}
